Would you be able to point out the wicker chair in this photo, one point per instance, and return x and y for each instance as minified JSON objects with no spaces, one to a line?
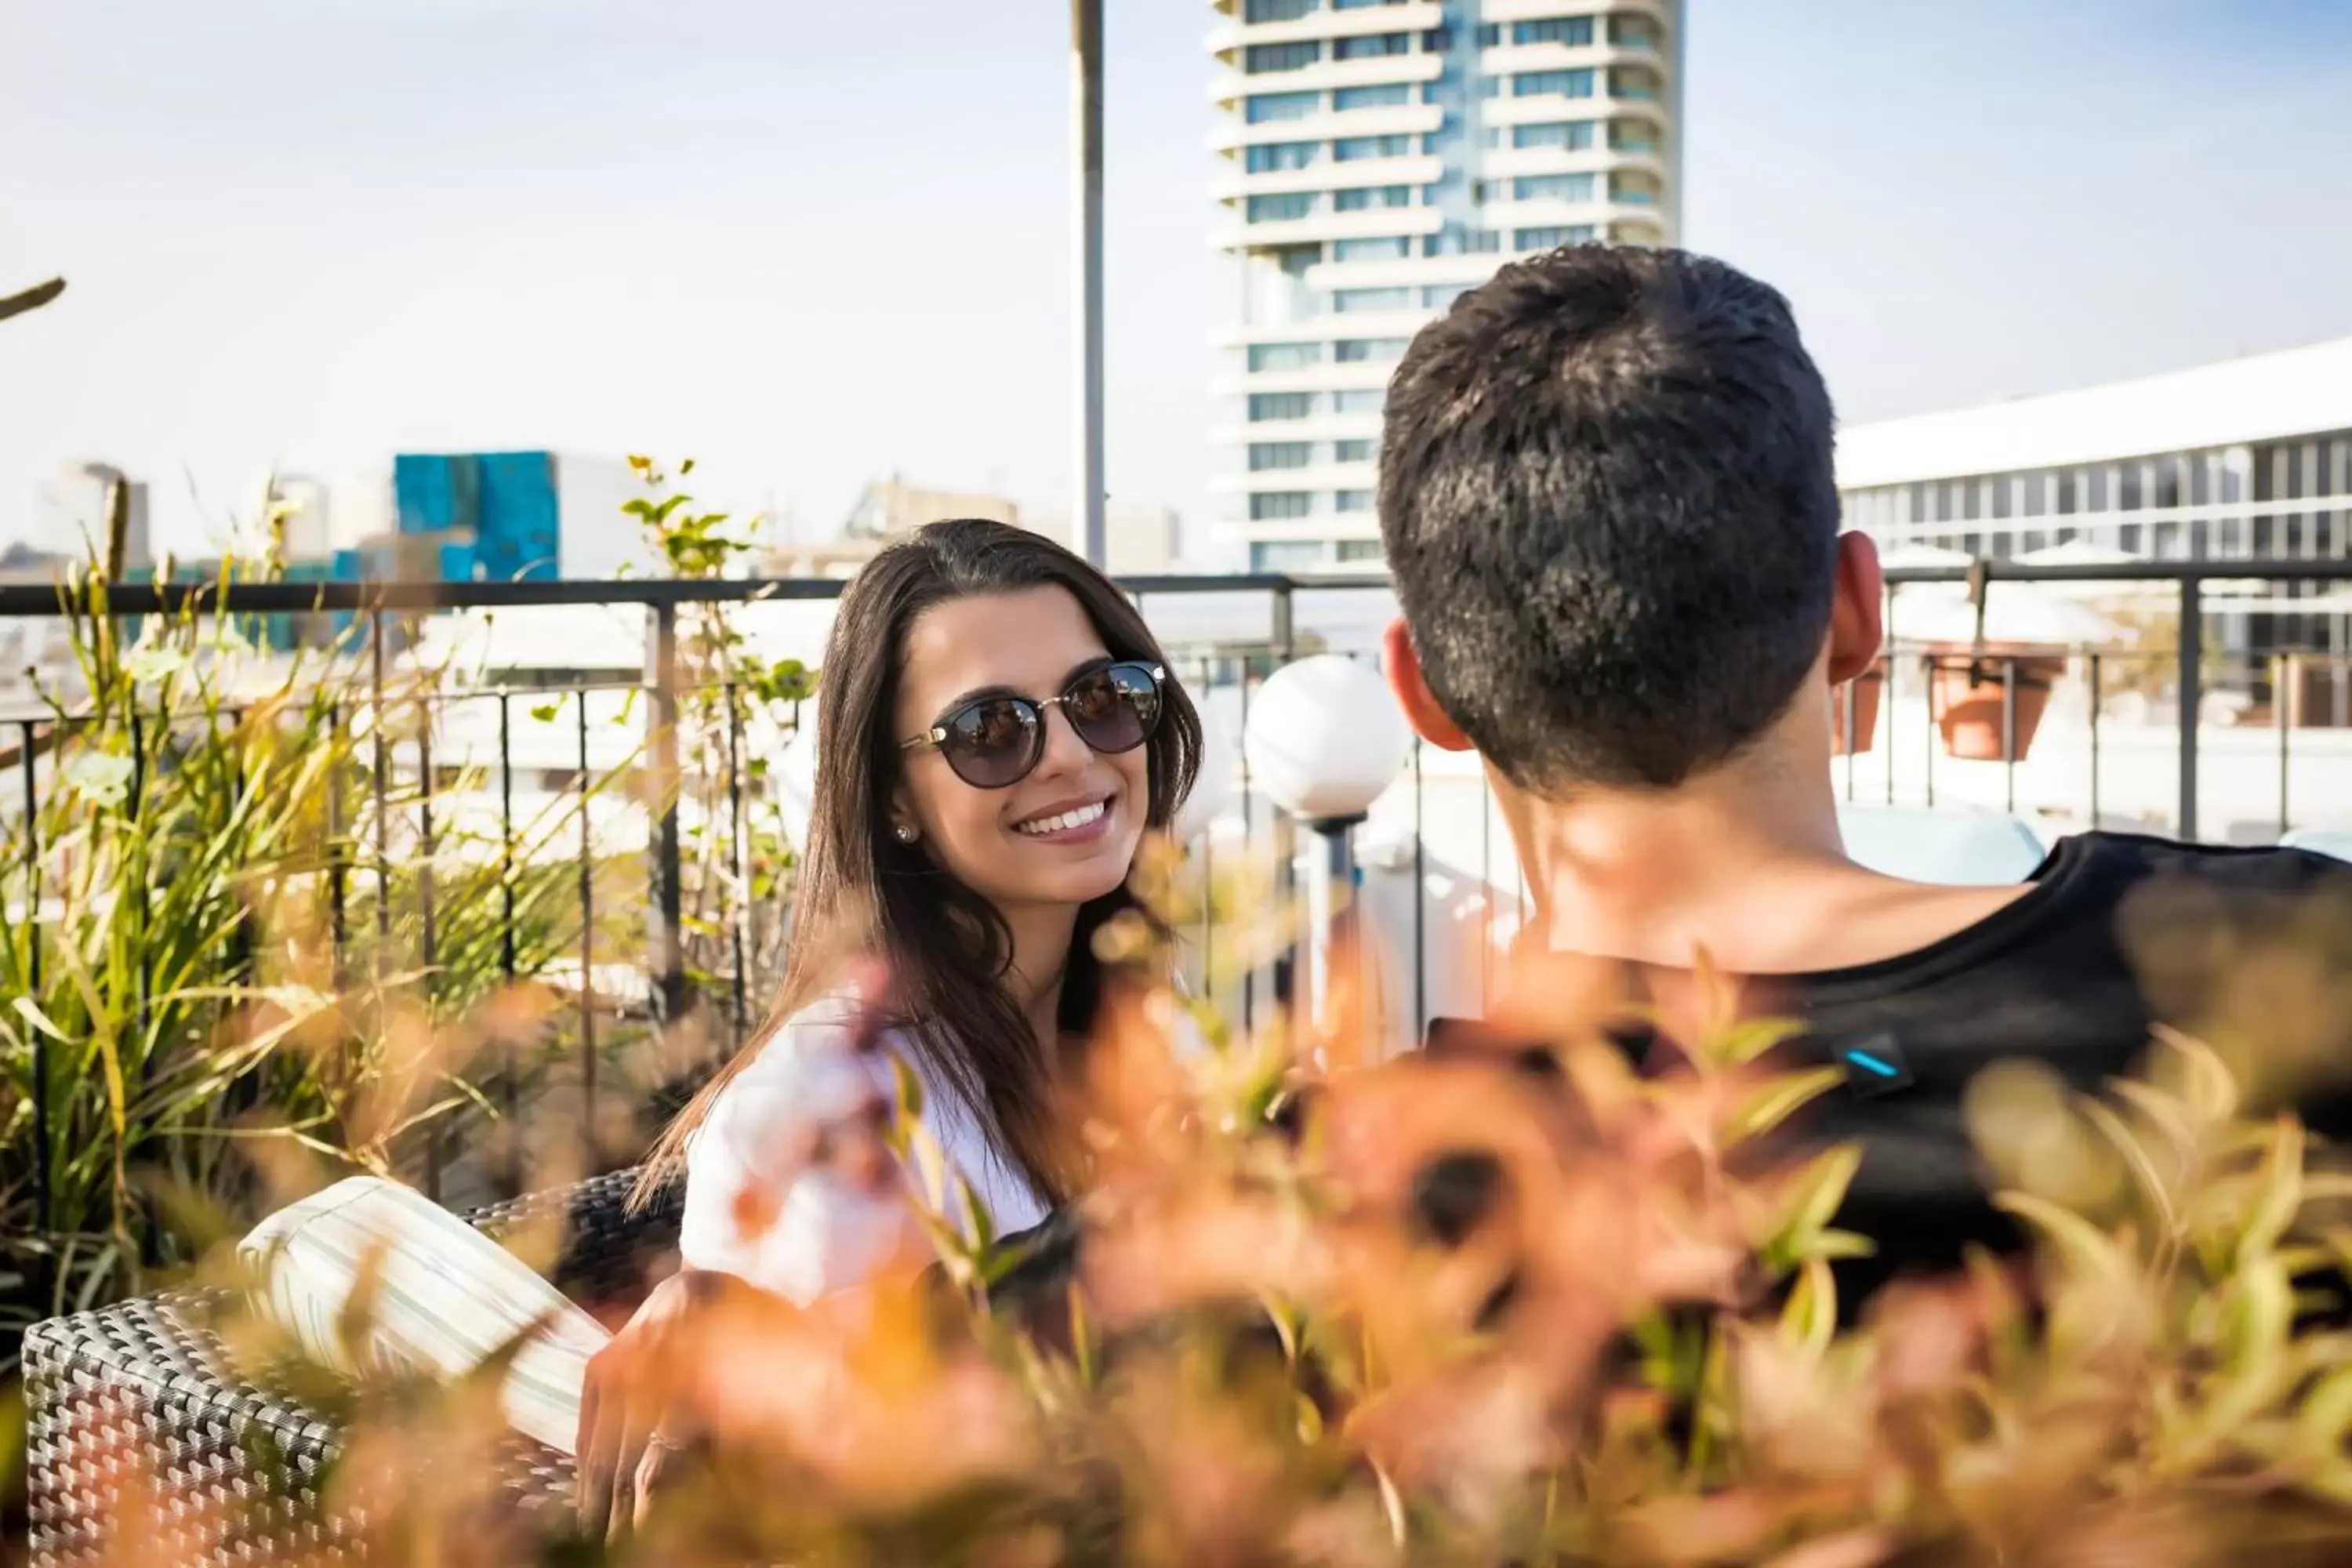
{"x":138,"y":1393}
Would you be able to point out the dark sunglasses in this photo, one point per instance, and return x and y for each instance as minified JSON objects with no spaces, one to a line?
{"x":994,"y":742}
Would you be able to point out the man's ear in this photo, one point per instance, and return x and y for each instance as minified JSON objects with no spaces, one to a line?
{"x":1402,"y":665}
{"x":1858,"y":613}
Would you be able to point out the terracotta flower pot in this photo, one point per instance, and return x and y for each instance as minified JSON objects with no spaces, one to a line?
{"x":1865,"y":693}
{"x":1965,"y":694}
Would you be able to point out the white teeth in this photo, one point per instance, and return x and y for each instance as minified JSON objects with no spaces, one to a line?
{"x":1067,"y":820}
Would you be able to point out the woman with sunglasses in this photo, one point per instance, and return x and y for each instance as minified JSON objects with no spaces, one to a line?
{"x":996,"y":734}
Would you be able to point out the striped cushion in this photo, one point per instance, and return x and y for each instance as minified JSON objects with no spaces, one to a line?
{"x":450,"y":1296}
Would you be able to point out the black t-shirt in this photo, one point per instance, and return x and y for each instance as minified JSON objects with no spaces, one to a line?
{"x":2115,"y":934}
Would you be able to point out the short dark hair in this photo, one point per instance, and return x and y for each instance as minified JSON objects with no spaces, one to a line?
{"x":1608,"y":502}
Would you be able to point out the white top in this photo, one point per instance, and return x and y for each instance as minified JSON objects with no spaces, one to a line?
{"x":747,"y":1160}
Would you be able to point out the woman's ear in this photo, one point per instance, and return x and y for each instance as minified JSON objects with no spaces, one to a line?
{"x":1402,"y":665}
{"x":904,"y":826}
{"x":1858,"y":613}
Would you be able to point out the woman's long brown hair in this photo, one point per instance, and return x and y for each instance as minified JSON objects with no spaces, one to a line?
{"x":862,"y":892}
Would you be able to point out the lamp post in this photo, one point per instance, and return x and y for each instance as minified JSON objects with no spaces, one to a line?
{"x":1325,"y":739}
{"x":1087,"y":121}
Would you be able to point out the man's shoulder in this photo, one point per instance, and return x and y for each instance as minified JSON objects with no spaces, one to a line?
{"x":2253,"y":868}
{"x":2196,"y":904}
{"x":2158,"y":883}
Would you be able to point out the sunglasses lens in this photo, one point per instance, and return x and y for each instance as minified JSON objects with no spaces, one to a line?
{"x":991,"y":745}
{"x":1116,"y":708}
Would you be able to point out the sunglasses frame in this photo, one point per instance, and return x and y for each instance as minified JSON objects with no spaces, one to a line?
{"x":935,"y":738}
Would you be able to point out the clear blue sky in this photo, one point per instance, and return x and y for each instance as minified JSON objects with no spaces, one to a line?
{"x":813,"y":242}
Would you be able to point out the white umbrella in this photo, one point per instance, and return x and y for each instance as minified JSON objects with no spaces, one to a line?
{"x":2015,"y":614}
{"x":2083,"y":552}
{"x":1904,"y":557}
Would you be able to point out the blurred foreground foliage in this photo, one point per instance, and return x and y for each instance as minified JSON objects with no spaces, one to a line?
{"x":1513,"y":1305}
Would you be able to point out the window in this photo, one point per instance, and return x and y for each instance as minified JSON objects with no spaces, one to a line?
{"x":1267,"y":406}
{"x":1390,"y":95}
{"x":1552,"y":84}
{"x":1631,"y":81}
{"x":1349,"y":149}
{"x":1269,"y":107}
{"x":1574,"y":136}
{"x":1387,"y":248}
{"x":1369,"y":350}
{"x":1285,"y":356}
{"x":1352,"y":500}
{"x":1277,"y":505}
{"x":1286,"y":554}
{"x":1371,"y":198}
{"x":1633,"y":136}
{"x":1281,"y":209}
{"x":1441,"y":296}
{"x":1268,"y":157}
{"x":1551,"y":238}
{"x":1552,"y":188}
{"x":1360,"y":550}
{"x":1361,"y":5}
{"x":1265,"y":454}
{"x":1373,"y":46}
{"x":1279,"y":10}
{"x":1361,"y":399}
{"x":1489,"y":35}
{"x":1574,"y":30}
{"x":1264,"y":58}
{"x":1352,"y":452}
{"x":1453,"y":240}
{"x":1632,"y":191}
{"x":1344,"y":300}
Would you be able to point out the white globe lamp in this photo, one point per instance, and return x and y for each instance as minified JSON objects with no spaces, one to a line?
{"x":1325,"y":740}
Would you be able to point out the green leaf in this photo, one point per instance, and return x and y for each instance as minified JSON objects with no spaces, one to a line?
{"x":2089,"y":1252}
{"x":2278,"y":1192}
{"x":1780,"y":1099}
{"x":39,"y":1020}
{"x":2135,"y":1158}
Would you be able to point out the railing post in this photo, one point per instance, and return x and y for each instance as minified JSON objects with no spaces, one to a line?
{"x":2097,"y":699}
{"x":666,"y":937}
{"x":1286,"y":840}
{"x":2193,"y":693}
{"x":2284,"y":672}
{"x":43,"y":1211}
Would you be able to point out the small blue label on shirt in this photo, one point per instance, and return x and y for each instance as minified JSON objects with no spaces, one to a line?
{"x":1874,"y":1066}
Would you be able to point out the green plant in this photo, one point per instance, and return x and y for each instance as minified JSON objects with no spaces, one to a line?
{"x":736,"y":708}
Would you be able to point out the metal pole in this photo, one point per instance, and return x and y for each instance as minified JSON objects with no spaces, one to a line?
{"x":1330,"y":898}
{"x":1086,"y":105}
{"x":669,"y":937}
{"x":2193,"y":693}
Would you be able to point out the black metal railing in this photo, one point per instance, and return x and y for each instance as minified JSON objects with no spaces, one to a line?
{"x":1266,"y":620}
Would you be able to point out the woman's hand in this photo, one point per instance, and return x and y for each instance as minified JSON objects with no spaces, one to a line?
{"x":640,"y":1410}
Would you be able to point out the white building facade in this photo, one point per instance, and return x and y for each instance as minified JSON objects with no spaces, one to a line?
{"x":2247,"y":460}
{"x":1376,"y":159}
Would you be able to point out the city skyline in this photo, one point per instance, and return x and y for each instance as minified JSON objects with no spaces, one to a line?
{"x":807,"y":250}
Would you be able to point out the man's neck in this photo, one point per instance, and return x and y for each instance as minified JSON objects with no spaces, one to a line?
{"x":1744,"y":863}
